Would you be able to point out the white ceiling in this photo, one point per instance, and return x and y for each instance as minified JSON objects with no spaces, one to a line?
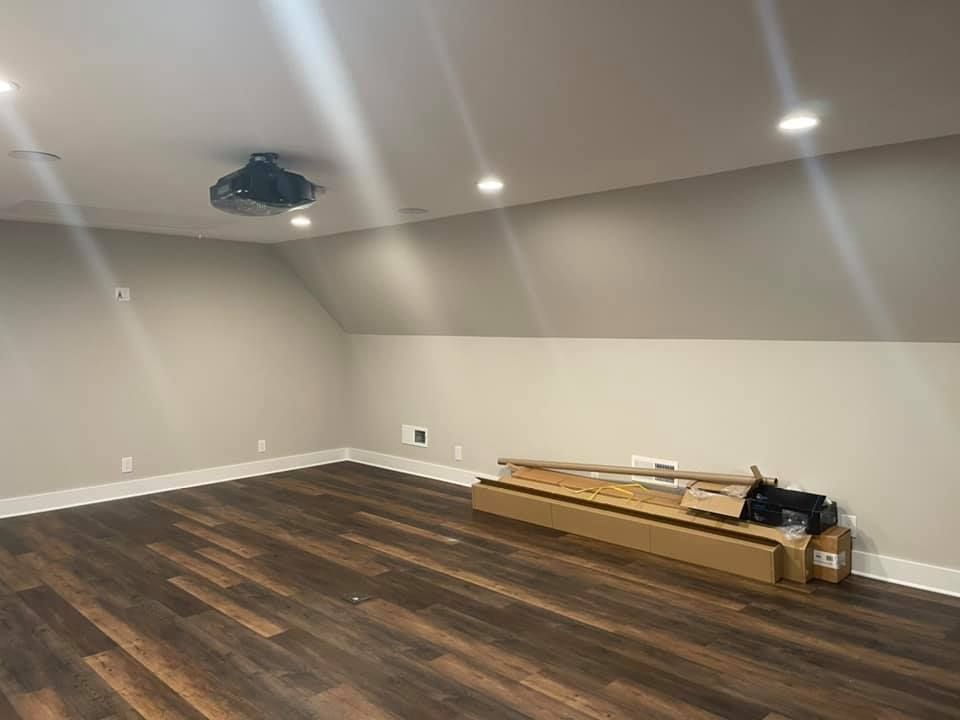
{"x":393,"y":103}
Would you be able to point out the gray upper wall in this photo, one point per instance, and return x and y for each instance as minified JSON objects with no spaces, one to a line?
{"x":863,"y":245}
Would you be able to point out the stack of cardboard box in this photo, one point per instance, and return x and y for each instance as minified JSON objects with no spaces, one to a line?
{"x":702,"y":526}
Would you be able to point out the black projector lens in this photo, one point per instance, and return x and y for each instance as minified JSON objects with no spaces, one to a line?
{"x":263,"y":188}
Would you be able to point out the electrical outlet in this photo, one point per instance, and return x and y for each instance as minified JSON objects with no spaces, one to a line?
{"x":849,"y":521}
{"x":261,"y":446}
{"x":122,"y":294}
{"x":126,"y":464}
{"x":458,"y":452}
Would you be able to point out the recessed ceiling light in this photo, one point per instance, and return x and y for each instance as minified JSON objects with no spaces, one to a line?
{"x":33,"y":155}
{"x":300,"y":221}
{"x":490,"y":185}
{"x":7,"y":86}
{"x":798,"y":122}
{"x":412,"y":211}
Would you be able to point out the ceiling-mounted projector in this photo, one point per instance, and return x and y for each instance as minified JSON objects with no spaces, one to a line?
{"x":263,"y":188}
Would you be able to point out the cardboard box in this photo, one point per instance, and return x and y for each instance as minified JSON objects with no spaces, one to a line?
{"x":798,"y":562}
{"x":710,"y":497}
{"x":754,"y":559}
{"x":832,"y":554}
{"x":757,"y":559}
{"x":611,"y":527}
{"x":513,"y":504}
{"x":797,"y":553}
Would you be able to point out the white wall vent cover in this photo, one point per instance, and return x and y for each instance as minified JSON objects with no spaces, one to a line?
{"x":413,"y":435}
{"x":641,"y":461}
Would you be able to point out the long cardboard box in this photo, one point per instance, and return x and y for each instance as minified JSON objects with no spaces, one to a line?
{"x":752,"y":559}
{"x":796,"y":557}
{"x":610,"y":527}
{"x":757,"y":559}
{"x":797,"y":552}
{"x":513,"y":504}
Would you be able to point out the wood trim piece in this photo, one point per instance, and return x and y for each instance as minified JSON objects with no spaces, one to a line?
{"x":729,"y":479}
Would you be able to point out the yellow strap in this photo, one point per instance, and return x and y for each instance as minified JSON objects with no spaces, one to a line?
{"x":620,"y":488}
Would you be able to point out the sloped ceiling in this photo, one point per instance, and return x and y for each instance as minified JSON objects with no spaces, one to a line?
{"x":863,"y":245}
{"x":393,"y":103}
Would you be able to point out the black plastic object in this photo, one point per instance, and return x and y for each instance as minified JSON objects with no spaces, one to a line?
{"x":776,"y":506}
{"x":263,"y":188}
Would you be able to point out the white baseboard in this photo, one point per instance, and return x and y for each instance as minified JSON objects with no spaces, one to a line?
{"x":879,"y":567}
{"x":60,"y":499}
{"x":907,"y":572}
{"x":433,"y":471}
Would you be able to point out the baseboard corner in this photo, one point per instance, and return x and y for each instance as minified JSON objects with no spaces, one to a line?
{"x":420,"y":468}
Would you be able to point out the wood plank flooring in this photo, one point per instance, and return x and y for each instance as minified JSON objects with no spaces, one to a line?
{"x":230,"y":602}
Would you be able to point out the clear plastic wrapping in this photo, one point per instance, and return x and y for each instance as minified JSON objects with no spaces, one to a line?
{"x":737,"y":491}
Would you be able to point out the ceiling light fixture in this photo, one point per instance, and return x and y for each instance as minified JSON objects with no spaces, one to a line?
{"x":7,"y":86}
{"x":412,"y":211}
{"x":798,"y":122}
{"x":490,"y":185}
{"x":300,"y":221}
{"x":33,"y":155}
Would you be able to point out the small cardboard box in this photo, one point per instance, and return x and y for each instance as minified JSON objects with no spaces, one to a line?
{"x":832,"y":554}
{"x":710,"y":497}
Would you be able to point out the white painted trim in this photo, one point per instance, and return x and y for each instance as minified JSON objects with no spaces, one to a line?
{"x":922,"y":576}
{"x":879,"y":567}
{"x":420,"y":468}
{"x":73,"y":497}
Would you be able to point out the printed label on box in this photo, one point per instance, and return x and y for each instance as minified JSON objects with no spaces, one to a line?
{"x":834,"y":561}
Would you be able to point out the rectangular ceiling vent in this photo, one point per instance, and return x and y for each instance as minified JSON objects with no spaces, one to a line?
{"x":653,"y":464}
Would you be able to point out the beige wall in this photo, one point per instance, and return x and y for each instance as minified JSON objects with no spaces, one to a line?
{"x":221,"y":346}
{"x":854,"y":246}
{"x":224,"y":345}
{"x":875,"y":425}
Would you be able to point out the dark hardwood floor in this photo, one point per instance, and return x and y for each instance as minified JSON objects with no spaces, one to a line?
{"x":231,"y":601}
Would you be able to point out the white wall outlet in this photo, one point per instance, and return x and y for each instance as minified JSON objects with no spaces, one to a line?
{"x":413,"y":435}
{"x":261,"y":446}
{"x":126,"y":464}
{"x":458,"y":452}
{"x":641,"y":461}
{"x":848,"y":521}
{"x":122,"y":294}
